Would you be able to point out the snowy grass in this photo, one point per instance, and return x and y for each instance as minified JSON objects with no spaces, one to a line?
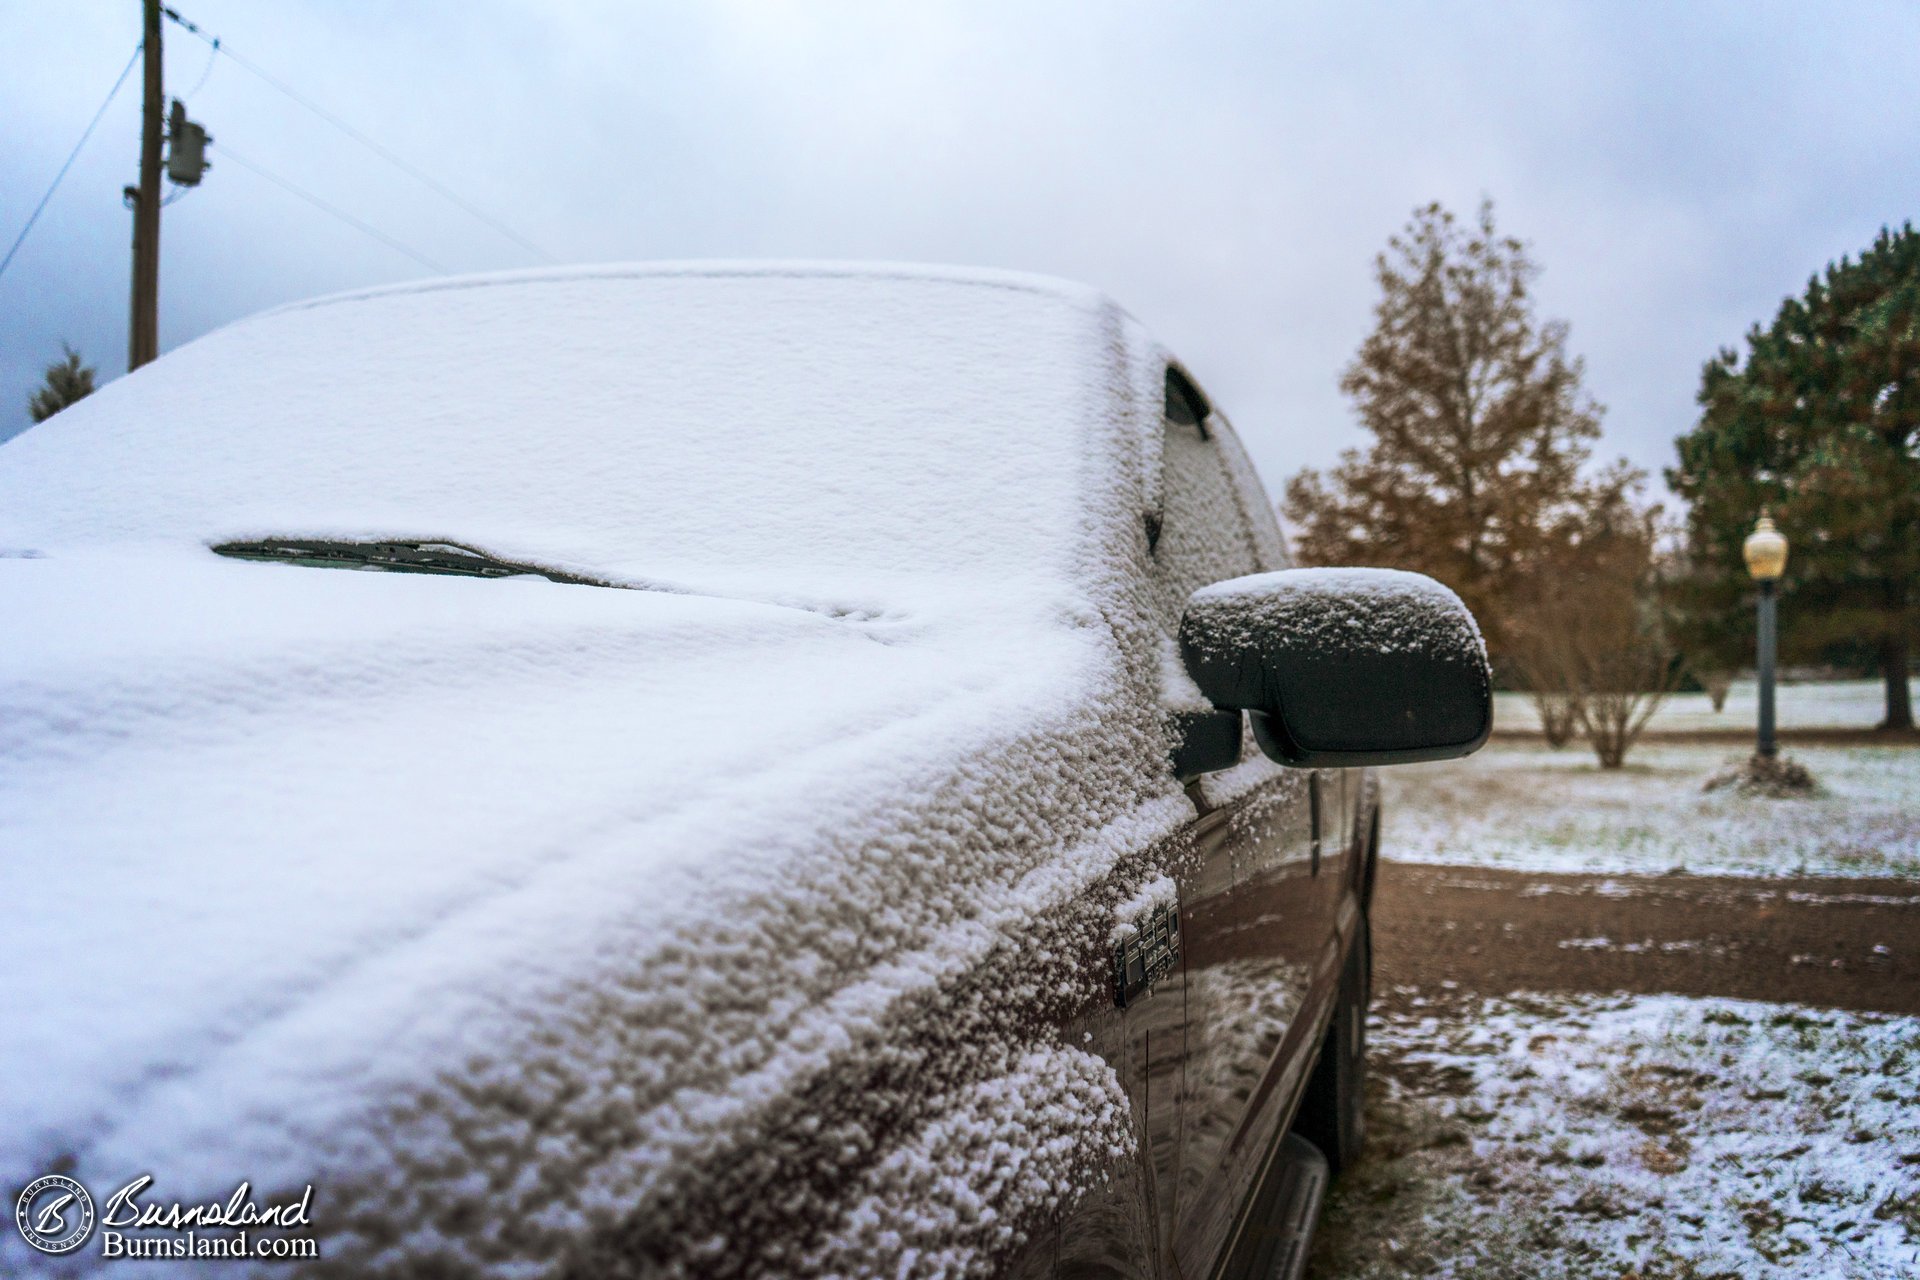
{"x":1524,"y":806}
{"x":1651,"y":1136}
{"x":1834,"y":704}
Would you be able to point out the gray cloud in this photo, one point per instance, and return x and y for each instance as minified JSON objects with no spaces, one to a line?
{"x":1227,"y":170}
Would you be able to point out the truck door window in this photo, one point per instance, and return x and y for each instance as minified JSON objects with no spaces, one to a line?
{"x":1269,"y":544}
{"x":1185,"y":406}
{"x":1203,"y":535}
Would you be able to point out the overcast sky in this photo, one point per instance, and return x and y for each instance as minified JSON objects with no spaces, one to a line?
{"x":1227,"y":170}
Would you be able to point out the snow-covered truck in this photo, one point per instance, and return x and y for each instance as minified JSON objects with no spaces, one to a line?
{"x":815,"y":770}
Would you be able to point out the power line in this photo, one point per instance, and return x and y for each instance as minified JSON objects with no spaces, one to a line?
{"x":206,"y":73}
{"x":71,"y":157}
{"x":363,"y":139}
{"x":230,"y":154}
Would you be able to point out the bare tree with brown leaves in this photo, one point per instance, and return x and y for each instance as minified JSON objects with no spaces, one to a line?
{"x":1717,"y":684}
{"x":1480,"y":426}
{"x":1558,"y":709}
{"x":1592,"y":637}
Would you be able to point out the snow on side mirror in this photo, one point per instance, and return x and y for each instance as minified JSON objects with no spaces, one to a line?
{"x":1343,"y":666}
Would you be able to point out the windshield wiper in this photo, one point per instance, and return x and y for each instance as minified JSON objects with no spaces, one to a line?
{"x":396,"y":557}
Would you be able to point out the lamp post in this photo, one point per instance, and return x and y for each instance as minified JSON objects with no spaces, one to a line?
{"x":1766,"y":553}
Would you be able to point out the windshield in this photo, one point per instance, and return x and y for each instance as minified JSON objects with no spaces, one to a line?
{"x":761,"y":431}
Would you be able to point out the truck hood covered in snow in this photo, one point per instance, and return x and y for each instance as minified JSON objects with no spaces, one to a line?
{"x":314,"y":859}
{"x":528,"y":922}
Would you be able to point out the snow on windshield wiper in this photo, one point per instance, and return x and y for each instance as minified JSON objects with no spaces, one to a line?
{"x":467,"y":562}
{"x":397,"y":557}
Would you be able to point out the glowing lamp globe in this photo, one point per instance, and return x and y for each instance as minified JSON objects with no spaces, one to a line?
{"x":1766,"y":551}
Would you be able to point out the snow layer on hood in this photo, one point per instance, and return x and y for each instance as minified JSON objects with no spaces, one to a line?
{"x":545,"y":927}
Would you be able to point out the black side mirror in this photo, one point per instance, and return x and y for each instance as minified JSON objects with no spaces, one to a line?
{"x":1343,"y":666}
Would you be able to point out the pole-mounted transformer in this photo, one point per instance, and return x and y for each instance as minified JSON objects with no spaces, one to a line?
{"x":186,"y":148}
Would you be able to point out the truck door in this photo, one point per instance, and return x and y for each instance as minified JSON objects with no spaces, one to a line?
{"x":1257,"y":905}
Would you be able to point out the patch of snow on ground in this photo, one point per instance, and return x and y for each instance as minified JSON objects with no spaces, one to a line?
{"x":1826,"y":704}
{"x":1635,"y":948}
{"x":1596,"y":1137}
{"x":1526,"y":807}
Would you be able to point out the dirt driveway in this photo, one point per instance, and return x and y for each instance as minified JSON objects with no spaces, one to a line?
{"x":1675,"y":1077}
{"x":1835,"y":943}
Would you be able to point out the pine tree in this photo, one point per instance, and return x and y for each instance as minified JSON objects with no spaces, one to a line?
{"x":68,"y":382}
{"x":1820,"y":422}
{"x":1480,"y":427}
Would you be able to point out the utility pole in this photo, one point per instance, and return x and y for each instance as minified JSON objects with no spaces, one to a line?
{"x":143,"y":338}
